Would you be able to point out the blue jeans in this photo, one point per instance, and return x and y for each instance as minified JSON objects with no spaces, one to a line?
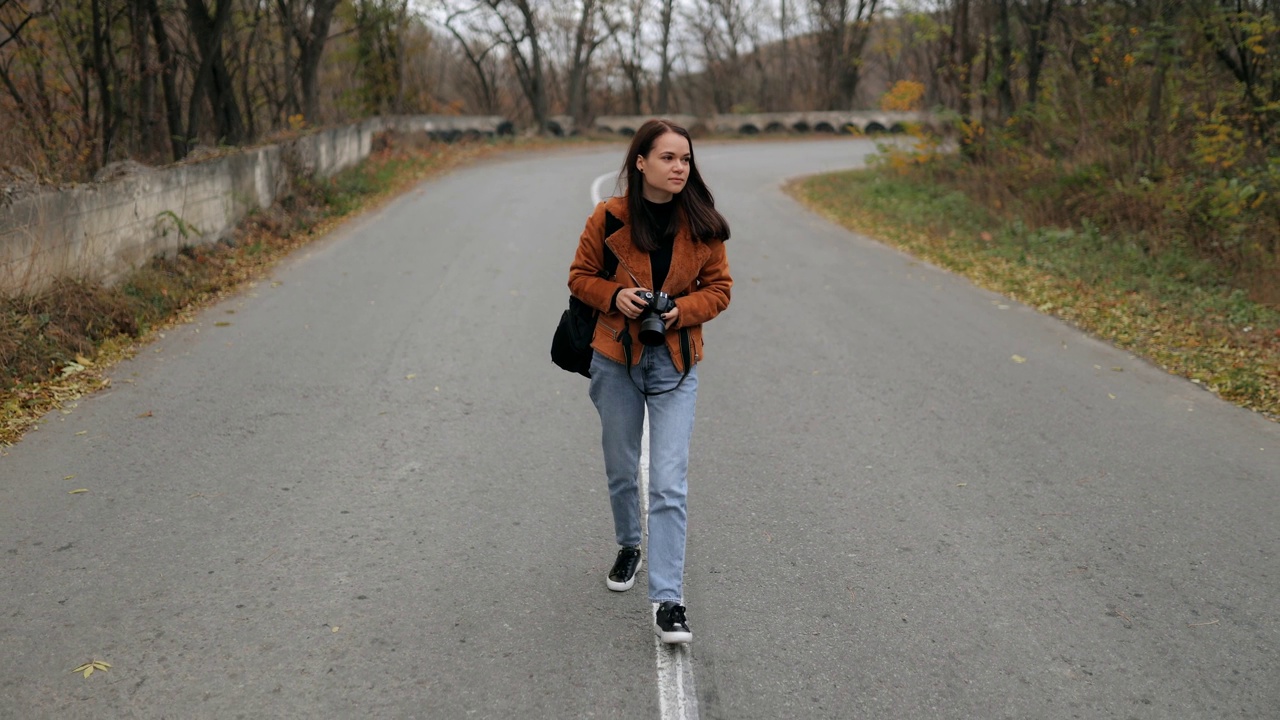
{"x":622,"y":410}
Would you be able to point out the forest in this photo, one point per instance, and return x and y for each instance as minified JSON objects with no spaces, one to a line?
{"x":1156,"y":116}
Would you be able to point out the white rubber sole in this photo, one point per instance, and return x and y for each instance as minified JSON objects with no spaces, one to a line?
{"x":623,"y":587}
{"x":672,"y":638}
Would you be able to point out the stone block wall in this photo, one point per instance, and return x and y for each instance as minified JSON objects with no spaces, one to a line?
{"x":102,"y":230}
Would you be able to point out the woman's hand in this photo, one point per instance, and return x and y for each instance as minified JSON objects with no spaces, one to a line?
{"x":630,"y":303}
{"x":671,"y":318}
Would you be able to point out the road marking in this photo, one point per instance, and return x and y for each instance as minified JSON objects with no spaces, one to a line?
{"x":677,"y":695}
{"x":596,"y":197}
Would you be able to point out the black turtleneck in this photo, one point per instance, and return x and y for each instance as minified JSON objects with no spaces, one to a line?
{"x":660,"y":259}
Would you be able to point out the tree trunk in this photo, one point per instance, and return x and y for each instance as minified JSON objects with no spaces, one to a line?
{"x":528,"y":67}
{"x":1004,"y":62}
{"x":664,"y":76}
{"x":311,"y":48}
{"x":584,"y":44}
{"x":212,"y":82}
{"x":172,"y":105}
{"x":1037,"y":23}
{"x":101,"y":72}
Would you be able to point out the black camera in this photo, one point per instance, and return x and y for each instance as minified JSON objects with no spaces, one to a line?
{"x":653,"y":330}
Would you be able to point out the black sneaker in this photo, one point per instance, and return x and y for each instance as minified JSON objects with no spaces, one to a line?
{"x":670,"y":625}
{"x":623,"y":574}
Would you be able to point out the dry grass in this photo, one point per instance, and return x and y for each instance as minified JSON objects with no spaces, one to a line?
{"x":1171,"y":313}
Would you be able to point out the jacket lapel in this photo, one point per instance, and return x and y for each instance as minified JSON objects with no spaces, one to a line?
{"x":687,"y":256}
{"x":633,"y":265}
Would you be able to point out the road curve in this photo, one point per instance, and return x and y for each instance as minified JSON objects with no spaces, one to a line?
{"x":360,"y":489}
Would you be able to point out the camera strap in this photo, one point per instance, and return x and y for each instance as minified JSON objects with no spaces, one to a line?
{"x":685,"y":353}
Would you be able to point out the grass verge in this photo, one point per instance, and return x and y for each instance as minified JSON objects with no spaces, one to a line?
{"x":1173,"y":310}
{"x":57,"y":346}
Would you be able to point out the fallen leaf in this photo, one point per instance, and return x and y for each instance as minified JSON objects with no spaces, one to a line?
{"x":221,"y":323}
{"x":146,"y":414}
{"x":84,"y":361}
{"x":88,"y":668}
{"x":410,"y":376}
{"x":1019,"y":359}
{"x":68,"y":477}
{"x":1113,"y":397}
{"x":77,"y":492}
{"x":83,"y":432}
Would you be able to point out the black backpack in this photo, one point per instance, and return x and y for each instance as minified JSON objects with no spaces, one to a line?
{"x":571,"y":343}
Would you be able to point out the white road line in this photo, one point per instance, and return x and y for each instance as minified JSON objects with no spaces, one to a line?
{"x":596,"y":197}
{"x":677,"y":695}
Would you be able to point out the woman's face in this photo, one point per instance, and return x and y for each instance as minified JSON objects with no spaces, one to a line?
{"x":666,"y":167}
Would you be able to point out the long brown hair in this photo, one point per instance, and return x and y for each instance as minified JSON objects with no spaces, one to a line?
{"x":694,"y":202}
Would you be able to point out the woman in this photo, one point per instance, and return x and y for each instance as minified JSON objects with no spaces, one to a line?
{"x":664,"y":235}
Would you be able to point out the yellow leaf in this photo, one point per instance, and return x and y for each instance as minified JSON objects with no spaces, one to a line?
{"x":77,"y":492}
{"x":101,"y":665}
{"x":1019,"y":359}
{"x":1113,"y":397}
{"x":335,"y":628}
{"x":410,"y":376}
{"x":82,"y":667}
{"x":88,"y":671}
{"x":68,"y":477}
{"x":84,"y":361}
{"x":222,"y":323}
{"x":83,"y":432}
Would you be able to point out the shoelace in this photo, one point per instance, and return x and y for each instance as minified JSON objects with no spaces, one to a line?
{"x":676,"y":615}
{"x":623,"y":566}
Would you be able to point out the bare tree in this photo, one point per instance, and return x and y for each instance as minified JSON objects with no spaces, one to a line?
{"x":593,"y":29}
{"x":477,"y":47}
{"x":519,"y":30}
{"x":664,"y":73}
{"x":630,"y":58}
{"x":725,"y":29}
{"x":842,"y":28}
{"x":305,"y":23}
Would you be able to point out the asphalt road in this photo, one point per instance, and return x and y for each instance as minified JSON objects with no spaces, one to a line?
{"x":361,"y":490}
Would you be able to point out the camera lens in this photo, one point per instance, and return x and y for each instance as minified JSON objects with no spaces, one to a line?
{"x":652,"y":330}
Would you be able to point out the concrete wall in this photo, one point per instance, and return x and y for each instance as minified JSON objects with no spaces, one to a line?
{"x":102,"y":230}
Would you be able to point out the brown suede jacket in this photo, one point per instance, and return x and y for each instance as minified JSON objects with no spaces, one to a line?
{"x":698,"y":281}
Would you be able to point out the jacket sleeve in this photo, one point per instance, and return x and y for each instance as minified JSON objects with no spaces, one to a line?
{"x":585,"y":282}
{"x":711,"y":295}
